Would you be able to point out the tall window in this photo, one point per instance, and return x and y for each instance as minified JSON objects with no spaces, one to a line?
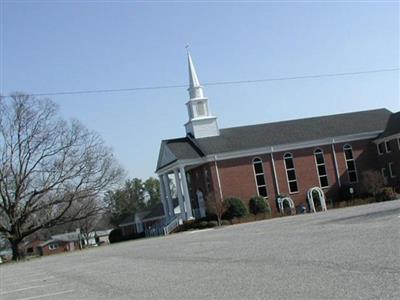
{"x":260,"y":179}
{"x":392,"y":171}
{"x":388,"y":147}
{"x":380,"y":148}
{"x":350,"y":163}
{"x":207,"y":180}
{"x":291,"y":173}
{"x":385,"y":175}
{"x":321,"y":169}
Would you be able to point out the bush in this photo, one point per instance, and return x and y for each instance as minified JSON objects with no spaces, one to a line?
{"x":115,"y":236}
{"x":385,"y":194}
{"x":234,"y":208}
{"x":372,"y":182}
{"x":225,"y":222}
{"x":258,"y":205}
{"x":189,"y":224}
{"x":210,"y":217}
{"x":202,"y":224}
{"x":212,"y":224}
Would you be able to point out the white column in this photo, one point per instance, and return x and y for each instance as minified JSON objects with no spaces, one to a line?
{"x":163,"y":197}
{"x":168,"y":195}
{"x":188,"y":205}
{"x":179,"y":192}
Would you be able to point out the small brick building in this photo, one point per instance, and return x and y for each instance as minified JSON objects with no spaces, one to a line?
{"x":289,"y":158}
{"x":60,"y":243}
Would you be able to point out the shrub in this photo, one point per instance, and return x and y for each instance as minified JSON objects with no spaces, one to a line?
{"x":372,"y":182}
{"x":115,"y":236}
{"x":202,"y":224}
{"x":225,"y":222}
{"x":210,"y":217}
{"x":235,"y":208}
{"x":258,"y":205}
{"x":212,"y":224}
{"x":385,"y":194}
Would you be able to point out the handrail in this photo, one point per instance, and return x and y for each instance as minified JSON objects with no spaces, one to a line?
{"x":171,"y":226}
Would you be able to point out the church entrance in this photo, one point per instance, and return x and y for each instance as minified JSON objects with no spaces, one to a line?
{"x":286,"y":205}
{"x":316,"y":199}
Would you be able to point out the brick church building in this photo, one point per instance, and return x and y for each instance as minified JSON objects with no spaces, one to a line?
{"x":327,"y":153}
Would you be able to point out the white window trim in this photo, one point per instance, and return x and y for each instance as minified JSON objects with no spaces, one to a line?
{"x":386,"y":148}
{"x":391,"y":170}
{"x":377,"y":147}
{"x":353,"y":159}
{"x":398,"y":142}
{"x":53,"y":246}
{"x":287,"y":177}
{"x":323,"y":164}
{"x":255,"y":176}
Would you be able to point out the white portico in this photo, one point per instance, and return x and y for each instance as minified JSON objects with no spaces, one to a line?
{"x":173,"y":174}
{"x":177,"y":179}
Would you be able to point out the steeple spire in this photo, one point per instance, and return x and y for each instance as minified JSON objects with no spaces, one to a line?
{"x":193,"y":79}
{"x":201,"y":122}
{"x":195,"y":89}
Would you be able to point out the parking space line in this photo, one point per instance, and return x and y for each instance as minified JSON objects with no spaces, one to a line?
{"x":25,"y":275}
{"x":27,"y":288}
{"x":33,"y":280}
{"x":48,"y":295}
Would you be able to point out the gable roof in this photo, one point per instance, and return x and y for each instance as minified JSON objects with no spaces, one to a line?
{"x":277,"y":133}
{"x":392,"y":127}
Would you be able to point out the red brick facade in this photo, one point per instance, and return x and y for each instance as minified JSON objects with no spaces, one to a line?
{"x":59,"y":248}
{"x":237,"y":178}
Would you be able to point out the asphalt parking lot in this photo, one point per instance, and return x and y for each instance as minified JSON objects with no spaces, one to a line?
{"x":350,"y":253}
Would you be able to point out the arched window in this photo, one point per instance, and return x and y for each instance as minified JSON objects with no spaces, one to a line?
{"x":207,"y":180}
{"x":321,"y":169}
{"x":291,"y":173}
{"x":260,"y":178}
{"x":350,"y":163}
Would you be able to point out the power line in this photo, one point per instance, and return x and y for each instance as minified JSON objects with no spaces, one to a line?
{"x":102,"y":91}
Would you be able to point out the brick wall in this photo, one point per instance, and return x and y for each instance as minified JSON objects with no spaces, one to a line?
{"x":238,"y":180}
{"x":62,"y":247}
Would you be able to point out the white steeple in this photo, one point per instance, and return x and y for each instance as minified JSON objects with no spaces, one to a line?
{"x":195,"y":89}
{"x":201,"y":122}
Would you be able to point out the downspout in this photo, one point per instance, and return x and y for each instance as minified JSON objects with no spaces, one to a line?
{"x":274,"y":171}
{"x":218,"y":179}
{"x":336,"y":164}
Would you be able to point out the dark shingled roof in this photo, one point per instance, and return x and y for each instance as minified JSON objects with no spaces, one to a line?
{"x":393,"y":126}
{"x":280,"y":133}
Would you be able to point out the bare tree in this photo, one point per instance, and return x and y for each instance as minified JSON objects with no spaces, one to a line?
{"x":47,"y":165}
{"x":215,"y":205}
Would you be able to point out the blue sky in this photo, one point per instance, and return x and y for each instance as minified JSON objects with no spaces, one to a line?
{"x":50,"y":46}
